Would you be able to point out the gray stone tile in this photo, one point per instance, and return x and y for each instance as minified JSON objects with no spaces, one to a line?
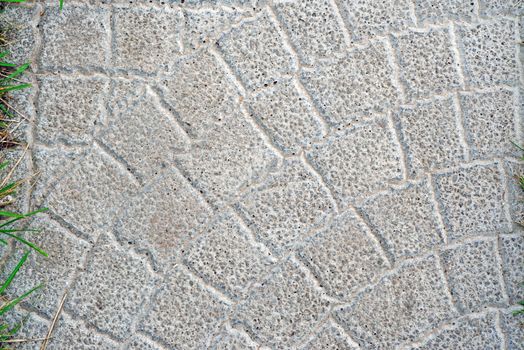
{"x":493,"y":62}
{"x":427,"y":63}
{"x":74,"y":334}
{"x":256,"y":52}
{"x":161,"y":217}
{"x":146,"y":137}
{"x":470,"y":332}
{"x":282,"y":309}
{"x":201,"y":94}
{"x":69,"y":109}
{"x":368,"y":18}
{"x":21,"y":33}
{"x":233,"y":340}
{"x":356,"y":84}
{"x":97,"y":294}
{"x":512,"y":260}
{"x":145,"y":39}
{"x":312,"y":27}
{"x":471,"y":201}
{"x":430,"y":135}
{"x":473,"y":274}
{"x":489,"y":123}
{"x":395,"y":311}
{"x":279,"y":210}
{"x":203,"y":27}
{"x":225,"y":256}
{"x":89,"y":194}
{"x":139,"y":342}
{"x":77,"y":36}
{"x":287,"y":116}
{"x":405,"y":220}
{"x":184,"y":314}
{"x":330,"y":337}
{"x":51,"y":164}
{"x":494,"y":8}
{"x":438,"y":11}
{"x":359,"y":160}
{"x":344,"y":257}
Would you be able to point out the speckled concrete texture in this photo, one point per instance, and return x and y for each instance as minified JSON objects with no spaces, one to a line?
{"x":243,"y":174}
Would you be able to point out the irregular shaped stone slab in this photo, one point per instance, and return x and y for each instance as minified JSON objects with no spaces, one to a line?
{"x":161,"y":217}
{"x":184,"y":314}
{"x":512,"y":260}
{"x":489,"y":120}
{"x":282,"y":309}
{"x":74,"y":334}
{"x":471,"y":200}
{"x":368,"y":18}
{"x":493,"y":62}
{"x":313,"y":28}
{"x":140,"y":342}
{"x":233,"y":340}
{"x":23,"y":48}
{"x":202,"y":27}
{"x":76,"y":36}
{"x":286,"y":116}
{"x":466,"y":333}
{"x":357,"y":83}
{"x":492,"y":8}
{"x":202,"y":95}
{"x":97,"y":294}
{"x":279,"y":210}
{"x":70,"y":108}
{"x":438,"y":11}
{"x":473,"y":274}
{"x":359,"y":160}
{"x":145,"y":39}
{"x":226,"y":257}
{"x":66,"y":255}
{"x":344,"y":257}
{"x":397,"y":311}
{"x":426,"y":125}
{"x":405,"y":220}
{"x":88,"y":196}
{"x":427,"y":63}
{"x":330,"y":337}
{"x":52,"y":164}
{"x":256,"y":52}
{"x":145,"y":137}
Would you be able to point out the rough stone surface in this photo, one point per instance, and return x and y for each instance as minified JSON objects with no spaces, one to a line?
{"x":424,"y":126}
{"x":489,"y":53}
{"x":470,"y":332}
{"x":474,"y":279}
{"x":405,"y":220}
{"x":427,"y":63}
{"x":406,"y":311}
{"x":271,"y":174}
{"x":472,"y":201}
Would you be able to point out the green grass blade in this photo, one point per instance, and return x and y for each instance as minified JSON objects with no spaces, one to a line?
{"x":4,"y":164}
{"x":8,"y":306}
{"x":14,"y":87}
{"x":13,"y":273}
{"x":17,"y":72}
{"x":27,"y":243}
{"x":11,"y":214}
{"x":61,"y":5}
{"x":4,"y":53}
{"x":7,"y":64}
{"x":12,"y":221}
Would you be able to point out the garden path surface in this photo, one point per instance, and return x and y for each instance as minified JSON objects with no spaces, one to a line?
{"x":228,"y":174}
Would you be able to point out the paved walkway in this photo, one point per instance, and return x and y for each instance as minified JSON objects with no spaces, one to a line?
{"x":321,"y":174}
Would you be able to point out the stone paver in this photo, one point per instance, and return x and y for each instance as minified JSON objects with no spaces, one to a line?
{"x":280,"y":174}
